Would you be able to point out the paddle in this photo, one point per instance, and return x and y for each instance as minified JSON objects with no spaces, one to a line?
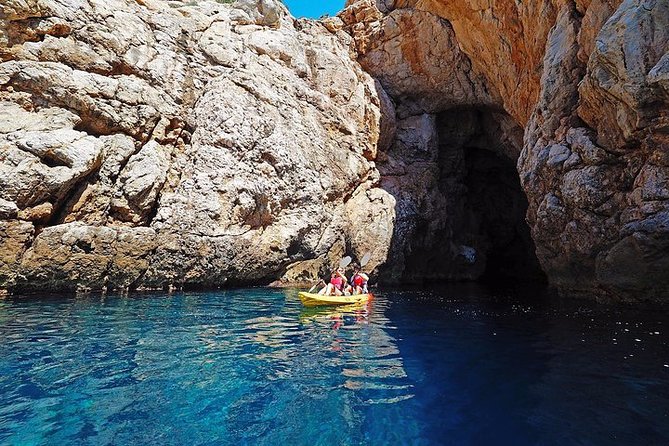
{"x":343,"y":263}
{"x":365,"y":259}
{"x":363,"y":262}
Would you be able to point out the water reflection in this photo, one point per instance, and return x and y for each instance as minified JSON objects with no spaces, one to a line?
{"x":337,"y":316}
{"x":369,"y":358}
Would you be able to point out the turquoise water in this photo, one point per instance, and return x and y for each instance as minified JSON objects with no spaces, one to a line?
{"x":461,"y":365}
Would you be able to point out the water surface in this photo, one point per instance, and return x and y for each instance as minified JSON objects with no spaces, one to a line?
{"x":462,"y":365}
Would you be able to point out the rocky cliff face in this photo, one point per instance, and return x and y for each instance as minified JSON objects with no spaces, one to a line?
{"x":574,"y":92}
{"x":157,"y":144}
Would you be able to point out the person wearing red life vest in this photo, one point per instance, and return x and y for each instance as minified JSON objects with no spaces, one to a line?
{"x":359,"y":282}
{"x":337,"y":284}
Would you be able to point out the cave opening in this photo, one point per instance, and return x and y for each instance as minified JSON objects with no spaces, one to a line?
{"x":478,"y":150}
{"x":495,"y":207}
{"x":461,"y":208}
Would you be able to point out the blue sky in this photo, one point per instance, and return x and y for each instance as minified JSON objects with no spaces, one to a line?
{"x":314,"y":8}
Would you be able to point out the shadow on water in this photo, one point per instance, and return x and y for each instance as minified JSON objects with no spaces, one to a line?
{"x":519,"y":366}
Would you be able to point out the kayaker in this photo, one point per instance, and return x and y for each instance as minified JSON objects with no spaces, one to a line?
{"x":351,"y":289}
{"x":359,"y":282}
{"x":341,"y":275}
{"x":336,"y":285}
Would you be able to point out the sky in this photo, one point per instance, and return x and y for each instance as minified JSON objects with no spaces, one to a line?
{"x":314,"y":8}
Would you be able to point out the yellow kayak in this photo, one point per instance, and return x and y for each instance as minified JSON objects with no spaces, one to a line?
{"x":312,"y":300}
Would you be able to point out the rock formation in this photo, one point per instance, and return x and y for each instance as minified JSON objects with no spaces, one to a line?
{"x":154,"y":144}
{"x":574,"y":92}
{"x":157,"y":144}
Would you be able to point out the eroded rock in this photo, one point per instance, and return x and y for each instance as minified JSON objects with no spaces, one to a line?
{"x":160,"y":145}
{"x":586,"y":84}
{"x":607,"y":195}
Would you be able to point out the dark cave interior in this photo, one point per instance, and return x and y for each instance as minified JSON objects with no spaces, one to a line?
{"x":461,"y":209}
{"x":495,"y":208}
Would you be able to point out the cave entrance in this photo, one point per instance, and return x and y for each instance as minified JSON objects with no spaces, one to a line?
{"x":479,"y":149}
{"x":460,"y":207}
{"x":494,"y":207}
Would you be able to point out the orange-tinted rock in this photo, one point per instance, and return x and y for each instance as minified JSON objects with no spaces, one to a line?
{"x":415,"y":56}
{"x":504,"y":39}
{"x":589,"y":83}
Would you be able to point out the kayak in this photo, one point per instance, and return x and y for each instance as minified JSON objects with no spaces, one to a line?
{"x":312,"y":300}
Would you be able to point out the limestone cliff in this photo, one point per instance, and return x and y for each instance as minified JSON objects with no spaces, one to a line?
{"x":156,"y":144}
{"x":152,"y":144}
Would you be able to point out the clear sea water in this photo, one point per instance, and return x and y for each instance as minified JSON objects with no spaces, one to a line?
{"x":461,"y":365}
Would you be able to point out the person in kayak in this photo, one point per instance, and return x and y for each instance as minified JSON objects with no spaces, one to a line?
{"x":359,"y":282}
{"x":337,"y":284}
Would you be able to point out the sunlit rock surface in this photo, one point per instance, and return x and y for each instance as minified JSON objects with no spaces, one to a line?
{"x":156,"y":144}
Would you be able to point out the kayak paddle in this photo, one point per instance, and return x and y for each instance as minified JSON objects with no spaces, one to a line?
{"x":318,"y":283}
{"x":343,"y":263}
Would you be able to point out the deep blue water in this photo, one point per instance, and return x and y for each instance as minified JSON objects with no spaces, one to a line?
{"x":460,"y":365}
